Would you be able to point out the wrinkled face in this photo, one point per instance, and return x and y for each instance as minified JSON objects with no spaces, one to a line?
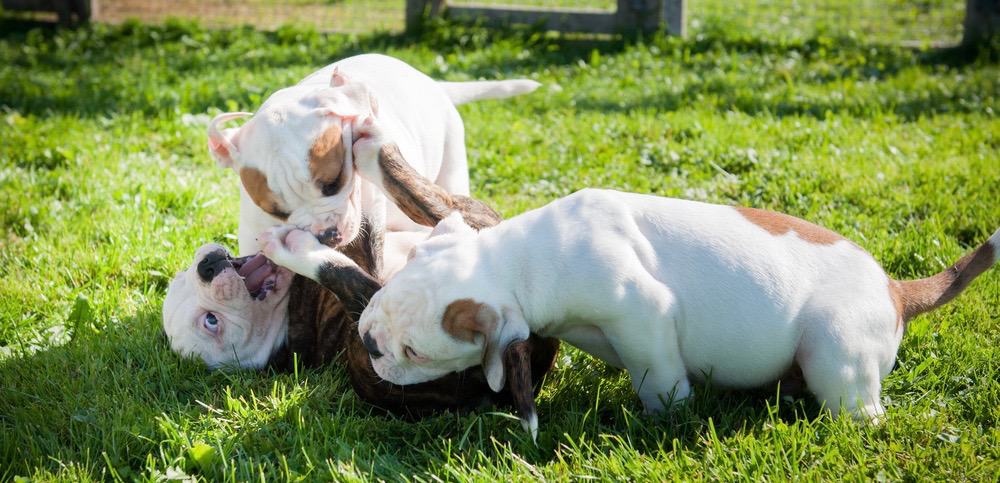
{"x":294,"y":159}
{"x":425,"y":322}
{"x":227,"y":311}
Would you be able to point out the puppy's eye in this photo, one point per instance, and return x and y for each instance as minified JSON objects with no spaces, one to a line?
{"x":211,"y":323}
{"x":410,"y":353}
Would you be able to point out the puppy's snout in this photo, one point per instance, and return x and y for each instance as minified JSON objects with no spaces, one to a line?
{"x":370,"y":345}
{"x":330,"y":236}
{"x":213,"y":264}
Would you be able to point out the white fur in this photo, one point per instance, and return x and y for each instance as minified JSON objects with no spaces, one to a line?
{"x":672,"y":290}
{"x":419,"y":113}
{"x":250,"y":331}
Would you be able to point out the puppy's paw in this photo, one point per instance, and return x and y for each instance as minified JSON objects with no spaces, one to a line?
{"x":301,"y":242}
{"x":294,"y":249}
{"x":369,"y":136}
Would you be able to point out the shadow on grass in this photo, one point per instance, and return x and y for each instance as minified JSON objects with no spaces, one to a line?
{"x":120,"y":401}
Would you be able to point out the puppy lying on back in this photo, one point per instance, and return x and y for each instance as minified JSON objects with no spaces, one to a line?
{"x":671,"y":290}
{"x":251,"y":312}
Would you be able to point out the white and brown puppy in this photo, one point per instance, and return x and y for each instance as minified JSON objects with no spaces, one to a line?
{"x":671,"y":290}
{"x":294,"y":158}
{"x":230,"y":311}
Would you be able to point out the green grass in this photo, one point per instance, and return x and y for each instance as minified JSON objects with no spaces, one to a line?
{"x":106,"y":190}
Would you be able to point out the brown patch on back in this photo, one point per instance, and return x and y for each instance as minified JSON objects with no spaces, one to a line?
{"x":326,"y":160}
{"x":465,"y":319}
{"x":255,"y":183}
{"x":918,"y":296}
{"x":780,"y":223}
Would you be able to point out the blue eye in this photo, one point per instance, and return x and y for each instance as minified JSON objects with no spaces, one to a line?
{"x":211,"y":323}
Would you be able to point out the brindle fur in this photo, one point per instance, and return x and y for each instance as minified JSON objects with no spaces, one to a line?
{"x":424,"y":202}
{"x":322,"y":319}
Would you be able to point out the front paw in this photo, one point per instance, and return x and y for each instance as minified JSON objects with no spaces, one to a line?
{"x":370,"y":137}
{"x":295,"y":249}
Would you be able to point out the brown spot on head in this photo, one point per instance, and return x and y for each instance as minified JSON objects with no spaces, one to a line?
{"x":465,"y":319}
{"x":255,"y":183}
{"x":326,"y":161}
{"x":780,"y":223}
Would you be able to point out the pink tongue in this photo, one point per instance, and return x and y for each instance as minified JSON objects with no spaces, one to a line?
{"x":252,"y":265}
{"x":255,"y":280}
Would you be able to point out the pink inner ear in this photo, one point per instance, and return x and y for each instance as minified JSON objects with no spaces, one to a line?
{"x":218,"y":147}
{"x":337,"y":79}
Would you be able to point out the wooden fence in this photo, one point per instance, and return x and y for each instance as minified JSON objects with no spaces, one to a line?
{"x":630,"y":16}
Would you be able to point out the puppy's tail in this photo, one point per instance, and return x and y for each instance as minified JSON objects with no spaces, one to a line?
{"x":463,"y":92}
{"x":914,"y":297}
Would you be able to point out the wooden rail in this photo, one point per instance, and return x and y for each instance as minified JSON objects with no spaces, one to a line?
{"x":630,"y":16}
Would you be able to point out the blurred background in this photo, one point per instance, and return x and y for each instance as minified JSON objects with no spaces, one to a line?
{"x":912,"y":22}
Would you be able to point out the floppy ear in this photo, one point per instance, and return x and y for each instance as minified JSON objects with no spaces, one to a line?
{"x":511,"y":327}
{"x":220,"y":144}
{"x":517,"y":366}
{"x":453,"y":223}
{"x":350,"y":100}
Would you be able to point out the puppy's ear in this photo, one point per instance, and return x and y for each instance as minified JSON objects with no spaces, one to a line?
{"x":517,"y":366}
{"x":338,"y":79}
{"x":453,"y":223}
{"x":511,"y":327}
{"x":351,"y":100}
{"x":220,"y":143}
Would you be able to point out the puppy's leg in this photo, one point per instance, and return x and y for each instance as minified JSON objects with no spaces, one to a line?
{"x":843,"y":366}
{"x":646,"y":340}
{"x":380,"y":161}
{"x":300,"y":252}
{"x":454,"y":174}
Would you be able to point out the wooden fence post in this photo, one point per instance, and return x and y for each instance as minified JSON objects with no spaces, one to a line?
{"x":982,"y":21}
{"x":675,"y":16}
{"x":415,"y":14}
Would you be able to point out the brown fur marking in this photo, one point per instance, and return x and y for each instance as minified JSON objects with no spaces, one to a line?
{"x":465,"y":319}
{"x":897,"y":302}
{"x":255,"y":183}
{"x":780,"y":223}
{"x":326,"y":160}
{"x":918,"y":296}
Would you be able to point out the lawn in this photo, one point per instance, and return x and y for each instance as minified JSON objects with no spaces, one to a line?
{"x":106,"y":189}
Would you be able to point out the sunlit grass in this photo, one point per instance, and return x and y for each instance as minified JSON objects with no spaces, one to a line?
{"x":106,"y":190}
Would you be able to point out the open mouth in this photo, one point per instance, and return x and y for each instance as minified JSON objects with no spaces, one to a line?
{"x":260,"y":275}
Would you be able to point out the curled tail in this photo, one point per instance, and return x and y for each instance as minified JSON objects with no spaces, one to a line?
{"x":463,"y":92}
{"x":914,"y":297}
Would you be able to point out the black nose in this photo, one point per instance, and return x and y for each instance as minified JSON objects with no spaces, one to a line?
{"x":330,"y":237}
{"x":212,"y":265}
{"x":370,"y":345}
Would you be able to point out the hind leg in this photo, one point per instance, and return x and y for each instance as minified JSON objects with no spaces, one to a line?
{"x":454,"y":174}
{"x":843,"y":364}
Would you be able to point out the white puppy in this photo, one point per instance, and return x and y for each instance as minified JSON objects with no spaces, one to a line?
{"x":671,"y":290}
{"x":294,"y":158}
{"x":235,"y":311}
